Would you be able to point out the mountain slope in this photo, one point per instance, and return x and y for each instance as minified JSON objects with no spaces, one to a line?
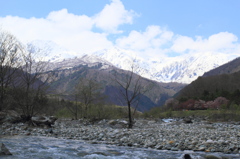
{"x":219,"y":81}
{"x":228,"y":68}
{"x":64,"y":80}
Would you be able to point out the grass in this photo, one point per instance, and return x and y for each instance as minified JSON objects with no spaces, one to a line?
{"x":63,"y":113}
{"x":212,"y":115}
{"x":231,"y":113}
{"x":99,"y":112}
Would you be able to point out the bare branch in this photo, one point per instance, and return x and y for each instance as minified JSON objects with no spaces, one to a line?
{"x":131,"y":88}
{"x":10,"y":51}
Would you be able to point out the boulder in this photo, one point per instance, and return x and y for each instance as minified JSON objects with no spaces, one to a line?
{"x":3,"y":150}
{"x":118,"y":123}
{"x":43,"y":121}
{"x":187,"y":120}
{"x":186,"y":156}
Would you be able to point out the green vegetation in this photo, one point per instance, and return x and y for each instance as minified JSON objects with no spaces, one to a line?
{"x":225,"y":113}
{"x":63,"y":113}
{"x":225,"y":85}
{"x":98,"y":112}
{"x":58,"y":107}
{"x":206,"y":95}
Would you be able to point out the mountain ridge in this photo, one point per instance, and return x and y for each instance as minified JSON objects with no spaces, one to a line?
{"x":183,"y":69}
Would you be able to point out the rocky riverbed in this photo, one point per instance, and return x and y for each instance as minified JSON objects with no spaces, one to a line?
{"x":156,"y":134}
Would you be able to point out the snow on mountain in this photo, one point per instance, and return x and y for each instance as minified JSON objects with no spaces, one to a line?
{"x":61,"y":58}
{"x":90,"y":61}
{"x":125,"y":59}
{"x":188,"y":68}
{"x":50,"y":50}
{"x":183,"y":69}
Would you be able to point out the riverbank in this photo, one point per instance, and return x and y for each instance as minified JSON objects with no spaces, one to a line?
{"x":156,"y":134}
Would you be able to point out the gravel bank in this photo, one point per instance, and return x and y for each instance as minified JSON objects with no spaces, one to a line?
{"x":175,"y":136}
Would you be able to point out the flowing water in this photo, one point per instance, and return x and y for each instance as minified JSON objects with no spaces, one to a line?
{"x":27,"y":147}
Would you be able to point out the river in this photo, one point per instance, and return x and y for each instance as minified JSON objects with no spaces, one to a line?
{"x":30,"y":147}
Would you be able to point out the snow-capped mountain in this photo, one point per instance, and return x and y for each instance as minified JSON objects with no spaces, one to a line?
{"x":50,"y":50}
{"x":89,"y":61}
{"x":188,"y":68}
{"x":182,"y":69}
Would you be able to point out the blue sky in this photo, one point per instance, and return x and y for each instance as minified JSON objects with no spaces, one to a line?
{"x":149,"y":27}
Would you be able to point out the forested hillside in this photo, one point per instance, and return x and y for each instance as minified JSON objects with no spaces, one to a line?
{"x":222,"y":81}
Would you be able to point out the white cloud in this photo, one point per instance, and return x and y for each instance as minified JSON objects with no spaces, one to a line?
{"x":66,"y":20}
{"x":153,"y":37}
{"x":68,"y":30}
{"x":150,"y":42}
{"x":157,"y":42}
{"x":74,"y":32}
{"x":221,"y":42}
{"x":112,"y":16}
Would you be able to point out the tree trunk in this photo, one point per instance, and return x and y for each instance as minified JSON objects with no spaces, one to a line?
{"x":130,"y":124}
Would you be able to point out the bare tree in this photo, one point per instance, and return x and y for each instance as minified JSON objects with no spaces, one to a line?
{"x":30,"y":95}
{"x":10,"y":50}
{"x":131,"y":88}
{"x":74,"y":107}
{"x":88,"y":92}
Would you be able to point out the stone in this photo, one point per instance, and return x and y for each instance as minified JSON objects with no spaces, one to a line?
{"x":3,"y":150}
{"x":186,"y":156}
{"x":43,"y":121}
{"x":159,"y":147}
{"x":201,"y":148}
{"x":187,"y":121}
{"x":238,"y":135}
{"x":50,"y":130}
{"x":174,"y":149}
{"x":118,"y":123}
{"x":209,"y":142}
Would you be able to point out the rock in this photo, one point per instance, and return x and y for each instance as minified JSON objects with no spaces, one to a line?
{"x":238,"y":135}
{"x":209,"y":142}
{"x":159,"y":147}
{"x":174,"y":149}
{"x":187,"y":121}
{"x":186,"y":156}
{"x":3,"y":150}
{"x":201,"y":148}
{"x":118,"y":123}
{"x":50,"y":130}
{"x":43,"y":121}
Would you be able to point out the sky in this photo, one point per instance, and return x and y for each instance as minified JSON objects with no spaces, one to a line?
{"x":151,"y":28}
